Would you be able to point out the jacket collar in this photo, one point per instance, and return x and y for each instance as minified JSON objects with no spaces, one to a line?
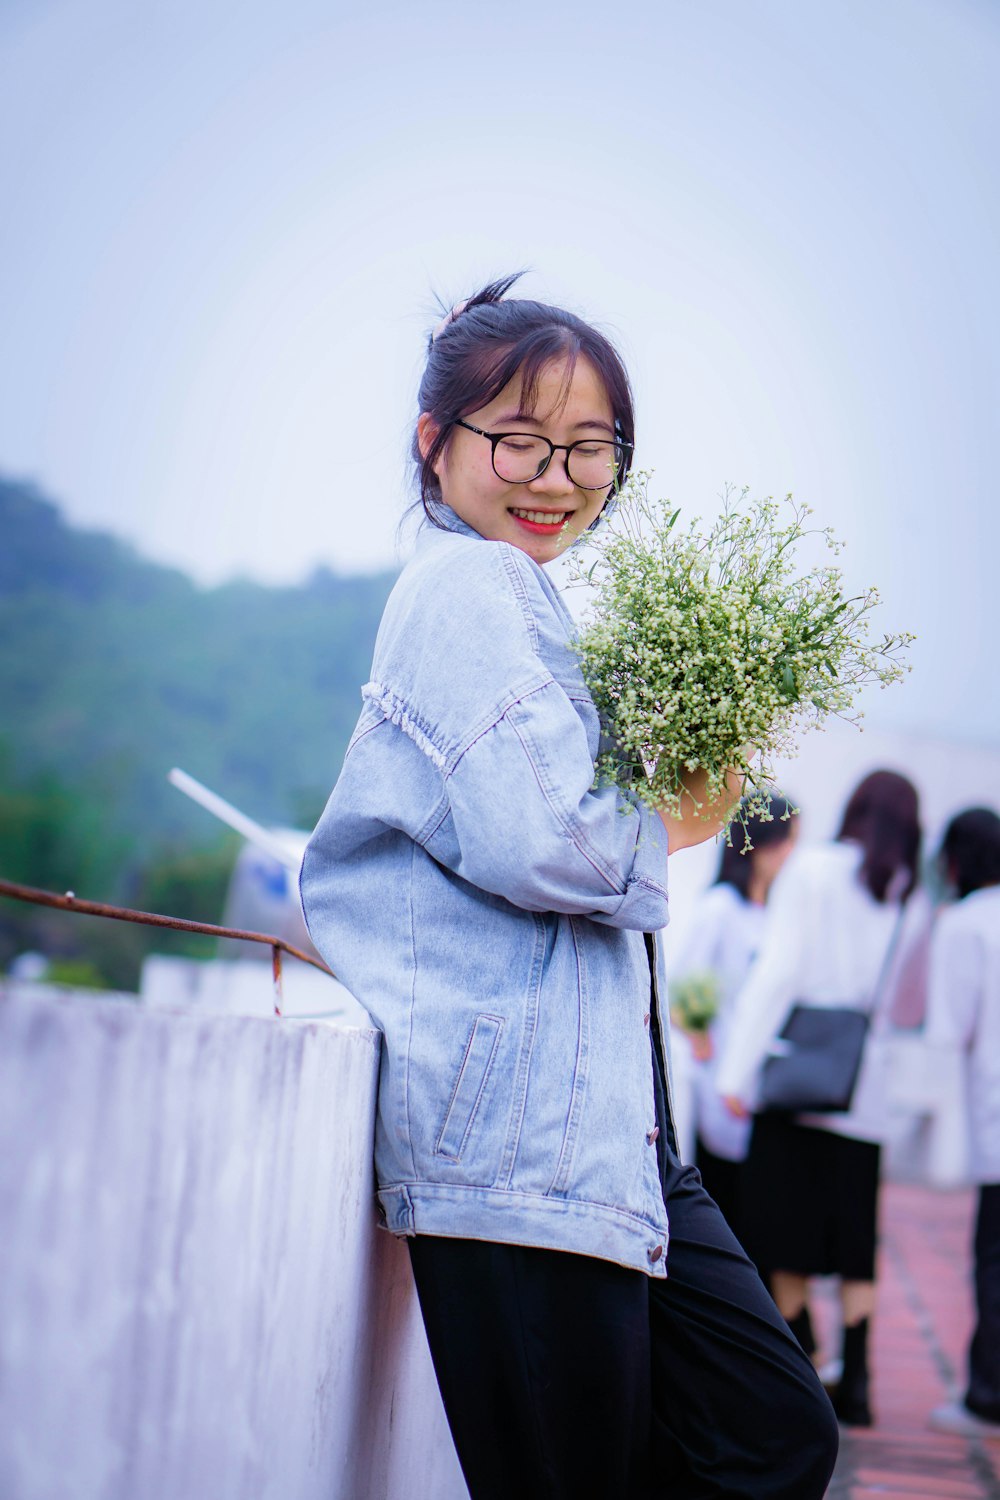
{"x":442,"y":517}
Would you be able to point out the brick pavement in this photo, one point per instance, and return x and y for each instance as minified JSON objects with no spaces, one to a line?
{"x":921,"y":1333}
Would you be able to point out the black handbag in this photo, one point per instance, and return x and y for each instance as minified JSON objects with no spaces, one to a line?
{"x":816,"y":1061}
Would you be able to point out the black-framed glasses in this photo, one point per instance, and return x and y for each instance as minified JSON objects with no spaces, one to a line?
{"x":520,"y":457}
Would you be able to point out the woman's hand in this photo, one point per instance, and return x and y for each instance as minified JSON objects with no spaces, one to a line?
{"x":693,"y":825}
{"x":701,"y":1045}
{"x":699,"y":1040}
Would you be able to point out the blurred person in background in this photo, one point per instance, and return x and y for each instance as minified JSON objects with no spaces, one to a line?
{"x":963,"y":1008}
{"x":712,"y":959}
{"x":811,"y":1181}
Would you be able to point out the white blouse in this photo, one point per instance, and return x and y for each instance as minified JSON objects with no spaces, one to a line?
{"x":721,"y":936}
{"x":825,"y":943}
{"x":963,"y":1009}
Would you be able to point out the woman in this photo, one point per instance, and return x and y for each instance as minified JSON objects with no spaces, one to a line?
{"x":812,"y":1180}
{"x":720,"y":941}
{"x":591,"y":1320}
{"x":963,"y":1009}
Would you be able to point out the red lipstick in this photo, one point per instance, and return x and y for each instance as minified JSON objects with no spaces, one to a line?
{"x":553,"y":529}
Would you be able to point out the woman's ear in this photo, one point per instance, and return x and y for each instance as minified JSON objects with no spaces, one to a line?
{"x":427,"y":431}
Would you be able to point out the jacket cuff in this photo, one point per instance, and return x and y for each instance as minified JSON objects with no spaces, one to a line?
{"x":644,"y":906}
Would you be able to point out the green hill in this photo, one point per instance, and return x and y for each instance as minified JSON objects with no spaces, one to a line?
{"x":114,"y":668}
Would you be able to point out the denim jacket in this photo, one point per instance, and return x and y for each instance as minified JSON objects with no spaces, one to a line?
{"x":486,"y":903}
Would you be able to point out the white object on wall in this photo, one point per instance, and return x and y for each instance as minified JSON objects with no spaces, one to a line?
{"x":244,"y":987}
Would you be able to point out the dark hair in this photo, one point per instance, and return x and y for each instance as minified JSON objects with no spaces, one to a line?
{"x":971,"y":849}
{"x":883,"y":816}
{"x":735,"y":866}
{"x":484,"y":343}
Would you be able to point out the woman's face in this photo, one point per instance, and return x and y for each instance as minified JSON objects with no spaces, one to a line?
{"x":544,"y":516}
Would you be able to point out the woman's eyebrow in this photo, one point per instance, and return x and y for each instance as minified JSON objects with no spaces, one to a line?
{"x":527,"y":416}
{"x":594,"y":422}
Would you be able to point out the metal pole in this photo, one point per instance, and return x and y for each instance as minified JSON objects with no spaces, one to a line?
{"x":69,"y":901}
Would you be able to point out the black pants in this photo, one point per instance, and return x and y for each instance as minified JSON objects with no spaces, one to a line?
{"x":983,"y":1395}
{"x":565,"y":1376}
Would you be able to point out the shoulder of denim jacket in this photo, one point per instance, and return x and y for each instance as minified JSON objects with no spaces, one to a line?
{"x":465,"y":584}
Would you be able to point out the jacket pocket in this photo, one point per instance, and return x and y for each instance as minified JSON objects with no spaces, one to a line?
{"x":477,"y":1064}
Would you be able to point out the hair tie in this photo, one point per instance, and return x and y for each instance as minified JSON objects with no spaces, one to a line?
{"x":448,"y":319}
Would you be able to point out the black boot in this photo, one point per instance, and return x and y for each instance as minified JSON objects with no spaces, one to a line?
{"x":801,"y":1326}
{"x":850,"y":1399}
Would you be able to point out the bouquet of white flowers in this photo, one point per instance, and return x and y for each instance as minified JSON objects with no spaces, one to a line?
{"x":709,"y":649}
{"x":694,"y":1000}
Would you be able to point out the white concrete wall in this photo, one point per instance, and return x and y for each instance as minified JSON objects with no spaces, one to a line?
{"x":195,"y":1303}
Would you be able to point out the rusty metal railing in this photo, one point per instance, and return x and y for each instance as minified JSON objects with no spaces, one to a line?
{"x":69,"y":901}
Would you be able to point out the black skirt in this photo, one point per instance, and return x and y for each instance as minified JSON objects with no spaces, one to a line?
{"x":722,"y":1180}
{"x":810,"y":1201}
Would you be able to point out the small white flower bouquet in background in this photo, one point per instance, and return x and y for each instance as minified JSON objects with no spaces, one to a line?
{"x":709,"y":648}
{"x":694,"y":1000}
{"x":694,"y":1005}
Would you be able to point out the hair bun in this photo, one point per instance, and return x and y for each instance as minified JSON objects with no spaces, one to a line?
{"x":487,"y":296}
{"x":449,"y":318}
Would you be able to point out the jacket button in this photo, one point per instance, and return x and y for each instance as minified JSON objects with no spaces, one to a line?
{"x":656,"y":1252}
{"x":646,"y":1019}
{"x":651,"y":1135}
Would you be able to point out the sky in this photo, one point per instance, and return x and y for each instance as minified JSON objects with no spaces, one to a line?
{"x":224,"y":228}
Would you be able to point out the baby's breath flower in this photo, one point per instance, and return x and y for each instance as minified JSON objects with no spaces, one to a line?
{"x":694,"y":1000}
{"x":706,"y":649}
